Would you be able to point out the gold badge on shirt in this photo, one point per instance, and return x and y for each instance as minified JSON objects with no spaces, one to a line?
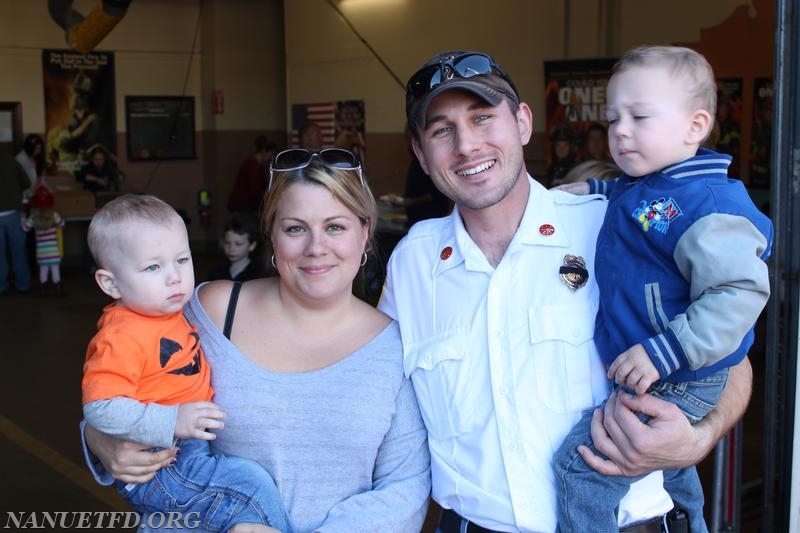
{"x":574,"y":273}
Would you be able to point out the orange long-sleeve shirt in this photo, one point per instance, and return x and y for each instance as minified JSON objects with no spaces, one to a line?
{"x":149,"y":359}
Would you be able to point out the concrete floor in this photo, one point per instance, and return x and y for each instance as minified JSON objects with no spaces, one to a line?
{"x":44,"y":341}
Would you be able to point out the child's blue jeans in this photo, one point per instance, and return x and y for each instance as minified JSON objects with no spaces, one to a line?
{"x":588,"y":500}
{"x":222,"y":490}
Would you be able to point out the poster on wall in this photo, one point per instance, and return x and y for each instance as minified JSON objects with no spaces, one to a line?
{"x":575,"y":107}
{"x":78,"y":105}
{"x":341,"y":124}
{"x":761,"y":139}
{"x":726,"y":137}
{"x":349,"y":127}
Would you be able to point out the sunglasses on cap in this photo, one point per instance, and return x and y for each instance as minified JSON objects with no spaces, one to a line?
{"x":297,"y":158}
{"x":464,"y":66}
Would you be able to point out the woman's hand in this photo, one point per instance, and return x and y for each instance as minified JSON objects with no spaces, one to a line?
{"x":129,"y":462}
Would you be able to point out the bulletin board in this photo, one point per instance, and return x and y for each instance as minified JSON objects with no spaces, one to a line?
{"x":160,"y":127}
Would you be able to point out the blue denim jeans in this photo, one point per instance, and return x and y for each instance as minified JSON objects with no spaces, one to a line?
{"x":222,"y":490}
{"x":12,"y":236}
{"x":589,"y":501}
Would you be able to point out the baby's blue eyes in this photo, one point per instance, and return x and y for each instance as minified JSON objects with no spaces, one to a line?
{"x":155,"y":267}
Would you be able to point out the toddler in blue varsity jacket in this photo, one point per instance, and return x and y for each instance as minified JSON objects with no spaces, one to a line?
{"x":679,"y":265}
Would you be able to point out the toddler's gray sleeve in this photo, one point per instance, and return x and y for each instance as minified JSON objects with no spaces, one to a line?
{"x":149,"y":423}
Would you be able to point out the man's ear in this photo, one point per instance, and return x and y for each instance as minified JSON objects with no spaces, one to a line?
{"x":107,"y":283}
{"x":420,"y":156}
{"x":700,"y":127}
{"x":525,"y":122}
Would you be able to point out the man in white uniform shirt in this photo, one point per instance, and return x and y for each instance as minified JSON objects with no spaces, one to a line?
{"x":496,"y":305}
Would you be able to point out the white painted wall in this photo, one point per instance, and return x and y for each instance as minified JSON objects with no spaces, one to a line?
{"x":153,"y":55}
{"x":326,"y":61}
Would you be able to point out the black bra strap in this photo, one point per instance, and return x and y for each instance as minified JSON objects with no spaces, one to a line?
{"x":226,"y":330}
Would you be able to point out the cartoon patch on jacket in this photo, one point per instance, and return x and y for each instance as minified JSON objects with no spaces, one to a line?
{"x":657,"y":214}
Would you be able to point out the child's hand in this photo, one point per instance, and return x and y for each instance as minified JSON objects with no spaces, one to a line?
{"x":196,"y":418}
{"x":634,"y":369}
{"x":579,"y":188}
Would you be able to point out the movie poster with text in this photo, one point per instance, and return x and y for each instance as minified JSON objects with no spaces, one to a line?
{"x":575,"y":107}
{"x":79,"y":107}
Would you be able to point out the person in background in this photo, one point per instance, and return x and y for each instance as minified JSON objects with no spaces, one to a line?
{"x":310,"y":136}
{"x":13,"y":182}
{"x":31,"y":158}
{"x":595,"y":144}
{"x":100,"y":172}
{"x":146,"y":379}
{"x":241,"y":243}
{"x":251,"y":180}
{"x":496,"y":306}
{"x":310,"y":377}
{"x":421,"y":199}
{"x":46,"y":224}
{"x":680,"y":268}
{"x":562,"y":158}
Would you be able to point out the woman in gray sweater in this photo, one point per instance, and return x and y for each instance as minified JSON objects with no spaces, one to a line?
{"x":310,"y":378}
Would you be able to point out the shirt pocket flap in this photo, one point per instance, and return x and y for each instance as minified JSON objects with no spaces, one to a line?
{"x":573,"y":324}
{"x":427,"y":354}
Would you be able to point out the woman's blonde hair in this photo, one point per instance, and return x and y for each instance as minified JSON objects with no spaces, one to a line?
{"x":345,"y":185}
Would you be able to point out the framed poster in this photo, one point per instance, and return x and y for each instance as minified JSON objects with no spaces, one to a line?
{"x":79,"y":107}
{"x":575,"y":107}
{"x":10,"y":127}
{"x":160,"y":127}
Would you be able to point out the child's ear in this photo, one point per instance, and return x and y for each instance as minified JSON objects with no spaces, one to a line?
{"x":700,"y":127}
{"x":107,"y":283}
{"x":252,"y":246}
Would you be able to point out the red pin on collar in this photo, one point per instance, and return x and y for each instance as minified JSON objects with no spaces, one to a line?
{"x":446,"y":252}
{"x":547,"y":229}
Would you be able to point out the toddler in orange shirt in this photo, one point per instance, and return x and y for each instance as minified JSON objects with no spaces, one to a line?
{"x":146,"y":380}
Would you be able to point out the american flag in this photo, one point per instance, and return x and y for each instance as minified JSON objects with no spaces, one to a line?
{"x":321,"y":113}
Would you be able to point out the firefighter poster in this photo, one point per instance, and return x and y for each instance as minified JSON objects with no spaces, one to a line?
{"x":79,"y":107}
{"x":575,"y":106}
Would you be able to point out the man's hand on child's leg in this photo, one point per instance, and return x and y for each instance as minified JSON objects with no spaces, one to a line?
{"x":634,"y":369}
{"x":196,"y":418}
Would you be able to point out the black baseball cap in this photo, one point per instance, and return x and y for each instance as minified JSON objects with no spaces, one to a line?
{"x":474,"y":72}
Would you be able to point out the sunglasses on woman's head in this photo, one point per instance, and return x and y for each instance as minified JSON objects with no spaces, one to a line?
{"x":297,"y":158}
{"x":463,"y":66}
